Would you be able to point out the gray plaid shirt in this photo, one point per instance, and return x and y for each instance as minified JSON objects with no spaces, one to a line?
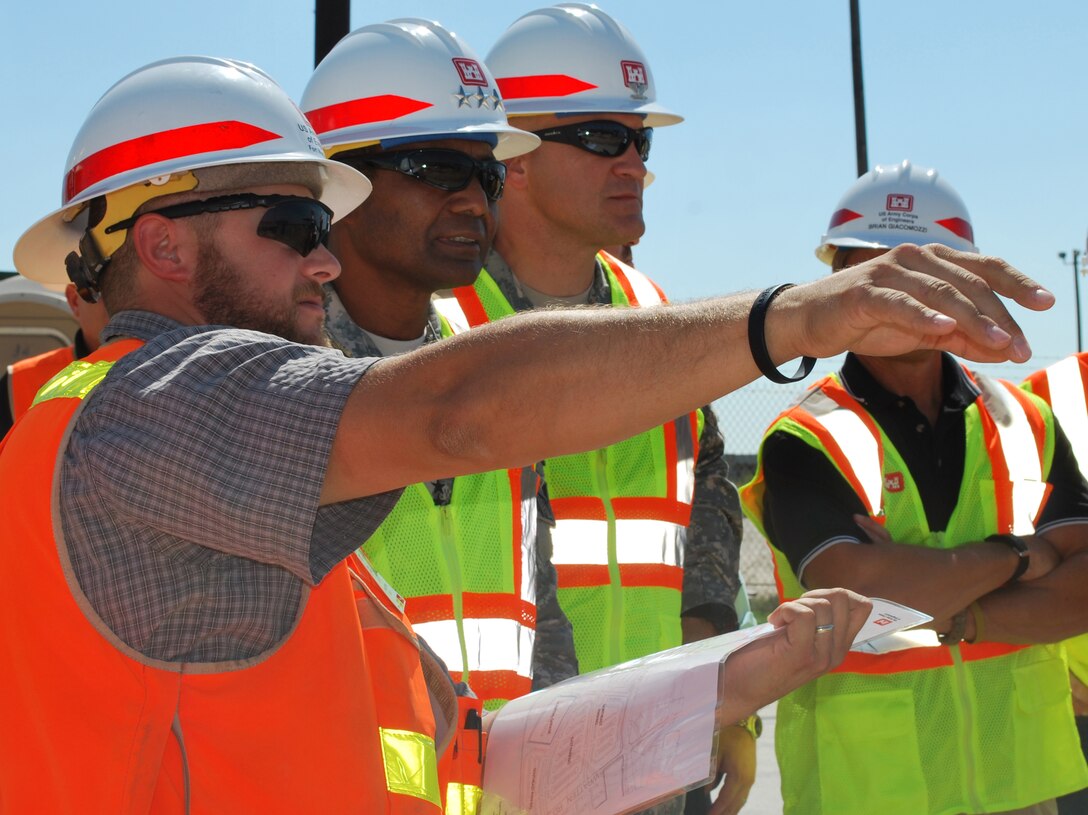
{"x":190,"y":485}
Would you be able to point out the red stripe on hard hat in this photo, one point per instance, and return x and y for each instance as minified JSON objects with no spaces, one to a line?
{"x":843,"y":216}
{"x":527,"y":87}
{"x":363,"y":111}
{"x":958,"y":226}
{"x":155,"y":147}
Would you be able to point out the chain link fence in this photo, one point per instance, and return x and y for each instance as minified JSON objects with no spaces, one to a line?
{"x":745,"y":414}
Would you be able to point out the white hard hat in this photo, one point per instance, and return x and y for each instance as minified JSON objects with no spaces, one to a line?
{"x":407,"y":79}
{"x":146,"y":135}
{"x":894,"y":204}
{"x":573,"y":58}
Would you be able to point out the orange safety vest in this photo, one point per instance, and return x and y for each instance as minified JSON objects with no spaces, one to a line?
{"x":26,"y":376}
{"x":336,"y":718}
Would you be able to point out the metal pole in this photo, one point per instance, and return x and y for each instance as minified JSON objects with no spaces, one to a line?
{"x":1076,"y":293}
{"x":859,"y":90}
{"x":332,"y":20}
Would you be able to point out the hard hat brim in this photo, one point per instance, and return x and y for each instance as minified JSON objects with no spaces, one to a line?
{"x":654,"y":115}
{"x":826,"y":250}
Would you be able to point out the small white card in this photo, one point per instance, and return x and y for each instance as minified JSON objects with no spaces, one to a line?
{"x":886,"y":619}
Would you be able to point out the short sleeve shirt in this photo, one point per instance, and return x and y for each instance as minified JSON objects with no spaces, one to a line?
{"x":190,"y":487}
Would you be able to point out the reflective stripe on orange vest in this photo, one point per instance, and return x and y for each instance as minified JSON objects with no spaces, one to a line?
{"x":336,"y":718}
{"x":26,"y":376}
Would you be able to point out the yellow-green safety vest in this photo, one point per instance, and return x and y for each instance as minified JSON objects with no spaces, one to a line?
{"x":941,"y":730}
{"x":468,"y":572}
{"x":621,"y":512}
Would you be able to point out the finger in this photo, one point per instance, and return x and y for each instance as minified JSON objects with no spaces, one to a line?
{"x":932,"y":301}
{"x":1001,"y":277}
{"x":798,"y":618}
{"x":850,"y":611}
{"x":960,"y":287}
{"x":731,"y":798}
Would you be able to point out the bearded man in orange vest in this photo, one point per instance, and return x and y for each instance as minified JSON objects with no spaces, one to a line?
{"x":184,"y":626}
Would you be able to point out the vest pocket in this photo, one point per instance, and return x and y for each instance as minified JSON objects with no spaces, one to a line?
{"x":1047,"y":745}
{"x":867,"y":754}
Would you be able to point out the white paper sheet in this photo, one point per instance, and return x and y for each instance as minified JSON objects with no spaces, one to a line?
{"x":612,"y":741}
{"x":619,"y":739}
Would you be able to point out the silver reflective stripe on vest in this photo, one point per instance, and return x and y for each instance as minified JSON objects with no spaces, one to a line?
{"x":857,"y":442}
{"x":1020,"y":451}
{"x":1067,"y":399}
{"x":451,"y":310}
{"x":491,"y":644}
{"x":529,"y":517}
{"x":645,"y":292}
{"x":685,"y":459}
{"x":578,"y":542}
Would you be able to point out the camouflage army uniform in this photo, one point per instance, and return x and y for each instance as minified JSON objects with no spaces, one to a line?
{"x":712,"y":550}
{"x":553,"y":648}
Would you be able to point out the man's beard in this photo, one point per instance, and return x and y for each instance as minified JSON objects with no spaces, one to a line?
{"x":224,"y":299}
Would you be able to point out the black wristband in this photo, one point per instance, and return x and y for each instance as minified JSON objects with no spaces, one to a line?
{"x":1018,"y":545}
{"x":757,"y":342}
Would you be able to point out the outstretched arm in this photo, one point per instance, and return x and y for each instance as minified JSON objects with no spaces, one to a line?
{"x":459,"y":406}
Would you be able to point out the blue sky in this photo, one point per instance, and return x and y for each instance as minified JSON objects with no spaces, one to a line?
{"x":991,"y":93}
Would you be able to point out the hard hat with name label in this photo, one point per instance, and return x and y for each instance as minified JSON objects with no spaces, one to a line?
{"x":898,"y":203}
{"x":148,"y":133}
{"x":575,"y":59}
{"x":407,"y":80}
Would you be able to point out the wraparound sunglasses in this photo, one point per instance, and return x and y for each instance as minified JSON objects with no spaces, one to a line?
{"x":295,"y":221}
{"x":602,"y":137}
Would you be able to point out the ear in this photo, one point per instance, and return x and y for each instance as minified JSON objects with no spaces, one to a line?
{"x":73,"y":298}
{"x":517,"y":171}
{"x":164,"y":247}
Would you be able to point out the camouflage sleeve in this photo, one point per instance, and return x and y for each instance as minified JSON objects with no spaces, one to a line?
{"x":712,"y":552}
{"x":553,"y":650}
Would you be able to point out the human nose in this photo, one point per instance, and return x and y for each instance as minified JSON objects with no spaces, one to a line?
{"x":629,"y":163}
{"x":321,"y":265}
{"x":472,"y":200}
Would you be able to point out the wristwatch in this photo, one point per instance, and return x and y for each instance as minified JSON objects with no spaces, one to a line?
{"x":1018,"y":545}
{"x":753,"y":724}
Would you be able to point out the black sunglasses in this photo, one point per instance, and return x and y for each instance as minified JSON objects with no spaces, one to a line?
{"x":300,"y":223}
{"x":449,"y":170}
{"x":602,"y":137}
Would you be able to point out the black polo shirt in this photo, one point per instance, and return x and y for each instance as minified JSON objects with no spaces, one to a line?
{"x":809,"y":506}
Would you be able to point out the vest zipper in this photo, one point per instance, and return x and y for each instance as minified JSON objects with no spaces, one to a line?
{"x":967,"y":709}
{"x":453,"y":570}
{"x":614,"y":635}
